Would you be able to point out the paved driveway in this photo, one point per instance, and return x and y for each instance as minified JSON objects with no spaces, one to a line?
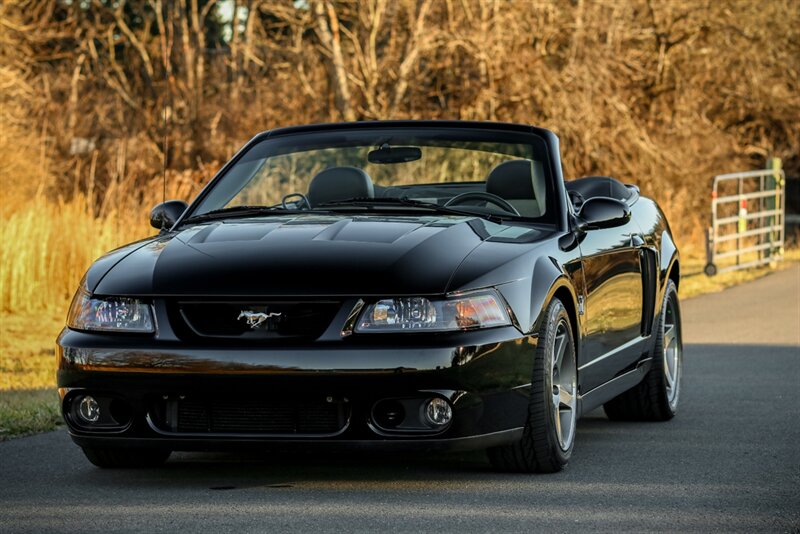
{"x":730,"y":461}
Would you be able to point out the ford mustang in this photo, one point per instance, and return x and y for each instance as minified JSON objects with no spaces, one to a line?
{"x":414,"y":285}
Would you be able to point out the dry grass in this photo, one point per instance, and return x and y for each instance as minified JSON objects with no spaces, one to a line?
{"x":46,"y":245}
{"x":696,"y":283}
{"x":27,"y":358}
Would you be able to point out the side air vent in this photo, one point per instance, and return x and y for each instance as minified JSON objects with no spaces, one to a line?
{"x":649,"y":279}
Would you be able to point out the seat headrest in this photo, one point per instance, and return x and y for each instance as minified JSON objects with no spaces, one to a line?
{"x":600,"y":186}
{"x":339,"y":183}
{"x":519,"y":179}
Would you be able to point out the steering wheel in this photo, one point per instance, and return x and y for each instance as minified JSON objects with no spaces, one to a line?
{"x":303,"y":204}
{"x":481,"y":195}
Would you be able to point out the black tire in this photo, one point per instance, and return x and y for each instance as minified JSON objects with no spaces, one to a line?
{"x":125,"y":458}
{"x":653,"y":399}
{"x":540,"y":450}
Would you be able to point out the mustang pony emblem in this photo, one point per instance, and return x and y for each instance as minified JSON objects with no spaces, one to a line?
{"x":254,"y":319}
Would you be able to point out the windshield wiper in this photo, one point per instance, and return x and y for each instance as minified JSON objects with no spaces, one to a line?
{"x":403,"y":201}
{"x":368,"y":203}
{"x":239,"y":211}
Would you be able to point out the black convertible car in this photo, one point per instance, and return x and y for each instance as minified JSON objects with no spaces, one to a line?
{"x":386,"y":285}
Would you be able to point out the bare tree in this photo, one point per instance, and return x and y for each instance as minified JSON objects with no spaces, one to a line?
{"x":663,"y":94}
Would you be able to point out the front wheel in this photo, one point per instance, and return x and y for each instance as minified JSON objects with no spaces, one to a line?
{"x":125,"y":457}
{"x":549,"y":434}
{"x":656,"y":397}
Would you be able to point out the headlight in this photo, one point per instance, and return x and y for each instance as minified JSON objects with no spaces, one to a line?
{"x":419,"y":314}
{"x":117,"y":314}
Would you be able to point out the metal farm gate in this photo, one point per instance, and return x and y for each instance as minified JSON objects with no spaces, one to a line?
{"x":747,"y":220}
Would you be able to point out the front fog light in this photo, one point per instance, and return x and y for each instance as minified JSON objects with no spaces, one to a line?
{"x":438,"y":412}
{"x":89,"y":410}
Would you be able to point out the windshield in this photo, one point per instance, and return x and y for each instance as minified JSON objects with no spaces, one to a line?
{"x":463,"y":170}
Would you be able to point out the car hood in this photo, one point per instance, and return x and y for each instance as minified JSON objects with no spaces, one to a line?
{"x":307,"y":255}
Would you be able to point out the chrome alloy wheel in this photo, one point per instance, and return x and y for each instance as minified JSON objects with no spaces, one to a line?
{"x":565,"y":382}
{"x":671,"y":341}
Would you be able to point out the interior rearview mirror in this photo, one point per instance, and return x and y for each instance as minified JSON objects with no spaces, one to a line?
{"x":166,"y":214}
{"x":603,"y":212}
{"x":394,"y":154}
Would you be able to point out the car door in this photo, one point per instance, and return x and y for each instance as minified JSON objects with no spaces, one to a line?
{"x":612,"y":267}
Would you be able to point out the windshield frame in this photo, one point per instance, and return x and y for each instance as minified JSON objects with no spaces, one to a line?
{"x":543,"y":144}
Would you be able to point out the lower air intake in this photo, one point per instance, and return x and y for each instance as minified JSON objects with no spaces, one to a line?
{"x":322,"y":417}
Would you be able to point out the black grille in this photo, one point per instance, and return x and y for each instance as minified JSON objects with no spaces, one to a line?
{"x":256,"y":416}
{"x":259,"y":320}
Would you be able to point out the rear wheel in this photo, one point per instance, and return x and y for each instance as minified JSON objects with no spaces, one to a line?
{"x":125,"y":458}
{"x":549,"y":434}
{"x":656,"y":397}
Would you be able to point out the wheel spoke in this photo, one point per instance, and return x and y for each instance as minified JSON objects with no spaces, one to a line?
{"x":669,"y":372}
{"x":557,"y":418}
{"x":669,"y":335}
{"x":566,"y":422}
{"x":671,"y":344}
{"x":565,"y":397}
{"x":558,"y":350}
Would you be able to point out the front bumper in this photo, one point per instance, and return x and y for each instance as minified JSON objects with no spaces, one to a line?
{"x":485,"y":375}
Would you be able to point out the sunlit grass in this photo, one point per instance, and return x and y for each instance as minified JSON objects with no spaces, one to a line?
{"x":695,"y":283}
{"x":45,"y":247}
{"x":28,"y":411}
{"x":28,"y":398}
{"x":27,"y":341}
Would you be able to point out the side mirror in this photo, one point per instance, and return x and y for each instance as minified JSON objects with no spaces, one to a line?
{"x":166,"y":214}
{"x":603,"y":212}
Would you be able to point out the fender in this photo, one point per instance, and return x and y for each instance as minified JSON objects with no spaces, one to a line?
{"x":101,"y":267}
{"x":548,"y":279}
{"x":668,"y":253}
{"x":669,"y":259}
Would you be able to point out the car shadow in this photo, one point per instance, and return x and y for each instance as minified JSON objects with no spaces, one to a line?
{"x":228,"y":471}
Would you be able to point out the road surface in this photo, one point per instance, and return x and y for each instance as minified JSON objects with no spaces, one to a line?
{"x":730,"y":461}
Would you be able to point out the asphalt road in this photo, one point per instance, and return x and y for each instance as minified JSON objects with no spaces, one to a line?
{"x":730,"y":461}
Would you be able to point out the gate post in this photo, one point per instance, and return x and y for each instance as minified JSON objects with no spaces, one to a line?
{"x":772,"y":203}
